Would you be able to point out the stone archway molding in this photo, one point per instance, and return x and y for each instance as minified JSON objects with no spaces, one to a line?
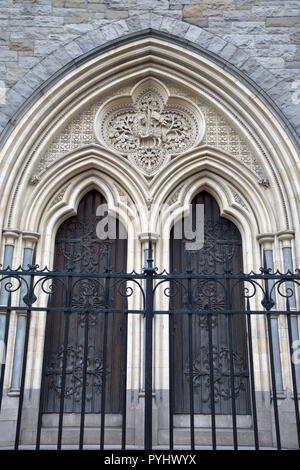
{"x":73,"y":54}
{"x":149,"y":56}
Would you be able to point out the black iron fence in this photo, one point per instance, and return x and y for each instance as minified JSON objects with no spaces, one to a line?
{"x":212,"y":362}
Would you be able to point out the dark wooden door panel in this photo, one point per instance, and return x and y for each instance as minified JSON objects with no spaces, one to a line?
{"x":77,"y":244}
{"x":221,"y":240}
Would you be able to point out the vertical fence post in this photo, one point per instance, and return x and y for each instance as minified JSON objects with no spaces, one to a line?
{"x":228,"y":301}
{"x":252,"y":381}
{"x":294,"y":378}
{"x":84,"y":378}
{"x":189,"y":271}
{"x":3,"y":347}
{"x":124,"y":401}
{"x":211,"y":379}
{"x":29,"y":299}
{"x":268,"y":303}
{"x":67,"y":317}
{"x":149,"y":271}
{"x":43,"y":376}
{"x":107,"y":300}
{"x":171,"y":381}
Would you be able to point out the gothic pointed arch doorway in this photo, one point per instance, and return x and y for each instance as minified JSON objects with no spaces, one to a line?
{"x":221,"y":252}
{"x":79,"y":250}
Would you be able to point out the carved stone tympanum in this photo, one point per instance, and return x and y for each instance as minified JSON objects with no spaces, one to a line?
{"x":148,"y":122}
{"x":149,"y":125}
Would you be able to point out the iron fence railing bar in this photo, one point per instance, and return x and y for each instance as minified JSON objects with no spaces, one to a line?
{"x":104,"y":381}
{"x":84,"y":377}
{"x":171,"y":383}
{"x":273,"y":381}
{"x":105,"y":333}
{"x":30,"y":298}
{"x":191,"y":386}
{"x":294,"y":379}
{"x":190,"y":340}
{"x":222,"y":312}
{"x":232,"y":385}
{"x":67,"y":314}
{"x":228,"y":306}
{"x":149,"y":271}
{"x":212,"y":384}
{"x":205,"y":313}
{"x":156,"y":312}
{"x":22,"y":385}
{"x":252,"y":380}
{"x":4,"y":346}
{"x":43,"y":378}
{"x":268,"y":304}
{"x":163,"y":312}
{"x":23,"y":273}
{"x":124,"y":405}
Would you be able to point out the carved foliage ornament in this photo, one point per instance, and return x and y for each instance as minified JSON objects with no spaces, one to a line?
{"x":149,"y":125}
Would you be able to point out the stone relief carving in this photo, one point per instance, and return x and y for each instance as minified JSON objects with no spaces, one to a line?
{"x":238,"y":199}
{"x":174,"y":197}
{"x":264,"y":182}
{"x":124,"y":197}
{"x":58,"y":197}
{"x":221,"y":134}
{"x":78,"y":133}
{"x":149,"y":126}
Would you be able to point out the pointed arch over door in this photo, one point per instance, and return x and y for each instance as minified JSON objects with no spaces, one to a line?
{"x":78,"y":249}
{"x":222,"y":250}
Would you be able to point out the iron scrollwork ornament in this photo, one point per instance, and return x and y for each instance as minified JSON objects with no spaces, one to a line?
{"x":201,"y":374}
{"x":74,"y":372}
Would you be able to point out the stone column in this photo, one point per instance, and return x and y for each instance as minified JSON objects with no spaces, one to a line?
{"x":29,"y":241}
{"x":286,"y":238}
{"x":33,"y":357}
{"x":8,"y":412}
{"x":21,"y":327}
{"x":267,"y":242}
{"x":9,"y":237}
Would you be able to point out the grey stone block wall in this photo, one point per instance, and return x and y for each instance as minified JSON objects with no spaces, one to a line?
{"x":260,"y":38}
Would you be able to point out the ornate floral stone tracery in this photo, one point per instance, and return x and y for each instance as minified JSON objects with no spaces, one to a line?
{"x":149,"y":125}
{"x":162,"y":121}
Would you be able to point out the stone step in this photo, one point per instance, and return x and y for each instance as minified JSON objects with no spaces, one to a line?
{"x":204,"y":421}
{"x":73,"y":420}
{"x":71,"y":429}
{"x":224,"y":437}
{"x":113,"y":436}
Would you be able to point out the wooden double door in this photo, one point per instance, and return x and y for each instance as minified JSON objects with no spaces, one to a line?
{"x":222,"y":250}
{"x":78,"y":249}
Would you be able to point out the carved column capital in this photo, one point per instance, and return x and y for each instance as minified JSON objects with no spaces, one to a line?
{"x":286,"y":237}
{"x":10,"y":236}
{"x":266,"y":240}
{"x":144,"y":236}
{"x":30,"y":239}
